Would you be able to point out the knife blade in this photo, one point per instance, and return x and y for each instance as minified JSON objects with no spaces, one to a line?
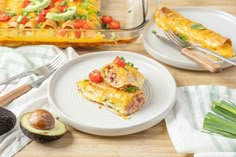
{"x":5,"y":99}
{"x":193,"y":55}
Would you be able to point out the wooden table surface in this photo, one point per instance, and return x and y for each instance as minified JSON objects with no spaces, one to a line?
{"x":152,"y":142}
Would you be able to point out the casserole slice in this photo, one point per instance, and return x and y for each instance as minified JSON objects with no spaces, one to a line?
{"x":117,"y":101}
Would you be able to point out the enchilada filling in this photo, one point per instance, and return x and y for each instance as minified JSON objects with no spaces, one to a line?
{"x":120,"y":102}
{"x":122,"y":77}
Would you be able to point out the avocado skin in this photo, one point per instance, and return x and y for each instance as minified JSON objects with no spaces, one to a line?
{"x":39,"y":137}
{"x":7,"y":120}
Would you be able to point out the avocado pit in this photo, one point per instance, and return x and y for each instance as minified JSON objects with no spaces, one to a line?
{"x":41,"y":126}
{"x":42,"y":119}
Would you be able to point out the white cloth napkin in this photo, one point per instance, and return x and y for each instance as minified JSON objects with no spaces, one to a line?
{"x":184,"y":122}
{"x":12,"y":62}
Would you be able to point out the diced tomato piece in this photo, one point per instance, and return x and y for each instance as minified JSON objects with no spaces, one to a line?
{"x":24,"y":20}
{"x":118,"y":61}
{"x":79,"y":23}
{"x":61,"y":32}
{"x":25,"y":3}
{"x":51,"y":5}
{"x":95,"y":76}
{"x":114,"y":24}
{"x":106,"y":19}
{"x":54,"y":1}
{"x":86,"y":26}
{"x":4,"y":17}
{"x":77,"y":34}
{"x":44,"y":12}
{"x":62,"y":8}
{"x":40,"y":18}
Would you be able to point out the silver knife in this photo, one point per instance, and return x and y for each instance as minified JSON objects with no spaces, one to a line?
{"x":194,"y":56}
{"x":5,"y":99}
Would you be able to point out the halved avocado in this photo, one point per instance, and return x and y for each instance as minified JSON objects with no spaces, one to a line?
{"x":41,"y":135}
{"x":7,"y":120}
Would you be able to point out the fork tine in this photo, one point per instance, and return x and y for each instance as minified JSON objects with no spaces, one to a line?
{"x":176,"y":37}
{"x":57,"y":62}
{"x":172,"y":38}
{"x":56,"y":58}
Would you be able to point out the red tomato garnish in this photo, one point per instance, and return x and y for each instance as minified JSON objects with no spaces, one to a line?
{"x":62,"y":8}
{"x":61,"y":32}
{"x":81,"y":24}
{"x":77,"y":34}
{"x":4,"y":17}
{"x":44,"y":12}
{"x":114,"y":24}
{"x":24,"y":20}
{"x":95,"y":76}
{"x":51,"y":5}
{"x":106,"y":19}
{"x":40,"y":18}
{"x":118,"y":61}
{"x":54,"y":1}
{"x":25,"y":3}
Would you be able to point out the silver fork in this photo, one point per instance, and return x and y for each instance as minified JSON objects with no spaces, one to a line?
{"x":43,"y":70}
{"x":184,"y":44}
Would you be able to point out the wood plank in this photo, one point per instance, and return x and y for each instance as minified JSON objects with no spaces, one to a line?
{"x":152,"y":142}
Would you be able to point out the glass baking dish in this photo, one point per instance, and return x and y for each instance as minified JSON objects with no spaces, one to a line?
{"x":132,"y":14}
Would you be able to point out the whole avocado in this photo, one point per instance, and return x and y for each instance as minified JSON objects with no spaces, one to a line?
{"x":7,"y":120}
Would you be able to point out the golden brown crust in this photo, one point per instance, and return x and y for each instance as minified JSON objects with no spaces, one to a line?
{"x":49,"y":24}
{"x":68,"y":25}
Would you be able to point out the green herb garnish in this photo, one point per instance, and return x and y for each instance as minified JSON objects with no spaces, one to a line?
{"x":63,"y":3}
{"x":11,"y":14}
{"x":131,"y":89}
{"x":99,"y":13}
{"x":182,"y":37}
{"x":39,"y":25}
{"x":128,"y":63}
{"x":198,"y":26}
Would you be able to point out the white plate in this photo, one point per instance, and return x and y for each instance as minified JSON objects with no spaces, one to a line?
{"x":86,"y":116}
{"x":218,"y":21}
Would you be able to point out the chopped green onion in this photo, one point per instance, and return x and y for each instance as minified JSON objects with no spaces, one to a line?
{"x":11,"y":14}
{"x":225,"y":109}
{"x":99,"y":13}
{"x":198,"y":26}
{"x":217,"y":124}
{"x":63,"y":3}
{"x":39,"y":25}
{"x":182,"y":37}
{"x":19,"y":19}
{"x":131,"y":89}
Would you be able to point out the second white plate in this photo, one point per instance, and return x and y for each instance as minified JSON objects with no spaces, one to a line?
{"x":218,"y":21}
{"x":86,"y":116}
